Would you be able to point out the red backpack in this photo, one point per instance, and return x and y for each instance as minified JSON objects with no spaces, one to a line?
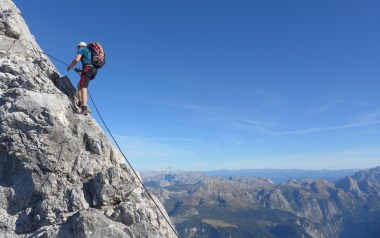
{"x":98,"y":57}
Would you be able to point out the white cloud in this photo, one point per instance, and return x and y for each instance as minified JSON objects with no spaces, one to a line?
{"x":246,"y":124}
{"x":362,"y":120}
{"x":331,"y":128}
{"x":217,"y":116}
{"x":318,"y":110}
{"x":145,"y":147}
{"x":196,"y":108}
{"x":146,"y":153}
{"x":368,"y":117}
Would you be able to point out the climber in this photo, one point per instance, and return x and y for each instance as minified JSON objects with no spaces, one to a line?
{"x":88,"y":72}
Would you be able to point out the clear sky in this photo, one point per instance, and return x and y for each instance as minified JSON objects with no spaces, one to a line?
{"x":217,"y":84}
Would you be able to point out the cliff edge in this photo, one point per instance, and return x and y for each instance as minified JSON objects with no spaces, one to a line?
{"x":59,"y":174}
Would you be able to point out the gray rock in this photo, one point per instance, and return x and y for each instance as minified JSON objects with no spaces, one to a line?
{"x":60,"y":176}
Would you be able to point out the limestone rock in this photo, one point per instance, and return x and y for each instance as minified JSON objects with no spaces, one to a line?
{"x":60,"y":176}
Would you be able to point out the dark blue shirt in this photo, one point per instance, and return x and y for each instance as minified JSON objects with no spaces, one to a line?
{"x":86,"y":56}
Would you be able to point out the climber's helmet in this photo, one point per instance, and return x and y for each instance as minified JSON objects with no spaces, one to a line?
{"x":81,"y":44}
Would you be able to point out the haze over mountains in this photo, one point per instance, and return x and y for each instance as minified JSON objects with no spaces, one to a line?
{"x":282,"y":175}
{"x":245,"y":206}
{"x":276,"y":175}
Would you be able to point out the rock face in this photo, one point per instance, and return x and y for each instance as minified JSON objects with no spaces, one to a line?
{"x":59,"y":174}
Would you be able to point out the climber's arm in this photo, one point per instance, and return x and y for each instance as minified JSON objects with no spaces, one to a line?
{"x":75,"y":61}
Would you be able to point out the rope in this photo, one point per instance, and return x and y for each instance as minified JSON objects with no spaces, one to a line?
{"x":11,"y":46}
{"x":54,"y":58}
{"x":37,"y":51}
{"x":125,"y":157}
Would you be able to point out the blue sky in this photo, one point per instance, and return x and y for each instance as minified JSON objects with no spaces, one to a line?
{"x":216,"y":84}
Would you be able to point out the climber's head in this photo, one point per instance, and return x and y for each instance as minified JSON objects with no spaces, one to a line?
{"x":81,"y":44}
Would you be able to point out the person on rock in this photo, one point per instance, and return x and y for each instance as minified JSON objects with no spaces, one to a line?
{"x":88,"y":72}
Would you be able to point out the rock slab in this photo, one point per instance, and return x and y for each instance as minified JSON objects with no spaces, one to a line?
{"x":60,"y":176}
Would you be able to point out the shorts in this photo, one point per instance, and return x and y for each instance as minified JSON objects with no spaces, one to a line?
{"x":88,"y":73}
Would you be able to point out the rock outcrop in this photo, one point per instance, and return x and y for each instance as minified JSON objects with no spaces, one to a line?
{"x":59,"y":174}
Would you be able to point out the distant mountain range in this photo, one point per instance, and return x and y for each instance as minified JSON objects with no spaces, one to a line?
{"x":282,"y":175}
{"x":204,"y":205}
{"x":276,"y":175}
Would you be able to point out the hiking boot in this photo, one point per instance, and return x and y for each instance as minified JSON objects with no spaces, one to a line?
{"x":85,"y":110}
{"x":80,"y":104}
